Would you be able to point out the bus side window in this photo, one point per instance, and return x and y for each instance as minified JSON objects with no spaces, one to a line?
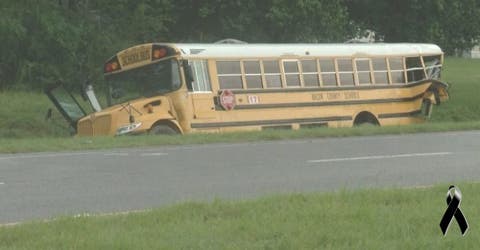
{"x":415,"y":70}
{"x":292,"y":73}
{"x":433,"y":66}
{"x":363,"y":70}
{"x":380,"y":70}
{"x":396,"y":69}
{"x":272,"y":73}
{"x":201,"y":79}
{"x":327,"y":67}
{"x":310,"y":73}
{"x":253,"y":74}
{"x":229,"y":75}
{"x":345,"y":71}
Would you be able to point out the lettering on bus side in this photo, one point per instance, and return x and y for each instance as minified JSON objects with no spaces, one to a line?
{"x":317,"y":97}
{"x":350,"y":95}
{"x":333,"y":96}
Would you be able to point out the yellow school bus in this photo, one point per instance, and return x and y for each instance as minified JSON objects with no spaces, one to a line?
{"x":168,"y":88}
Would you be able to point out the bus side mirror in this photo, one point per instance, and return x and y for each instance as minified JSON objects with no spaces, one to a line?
{"x":188,"y":71}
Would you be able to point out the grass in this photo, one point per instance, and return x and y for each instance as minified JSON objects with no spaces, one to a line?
{"x":84,"y":143}
{"x":365,"y":219}
{"x":23,"y":127}
{"x":22,"y":115}
{"x":463,"y":76}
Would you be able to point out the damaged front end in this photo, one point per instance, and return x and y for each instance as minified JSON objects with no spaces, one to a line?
{"x":436,"y":94}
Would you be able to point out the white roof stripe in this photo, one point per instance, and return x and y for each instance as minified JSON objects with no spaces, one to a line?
{"x":304,"y":50}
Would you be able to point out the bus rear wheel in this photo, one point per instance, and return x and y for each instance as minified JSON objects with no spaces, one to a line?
{"x":365,"y":118}
{"x":162,"y":129}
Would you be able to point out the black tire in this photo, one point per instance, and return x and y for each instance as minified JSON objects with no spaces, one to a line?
{"x":162,"y":129}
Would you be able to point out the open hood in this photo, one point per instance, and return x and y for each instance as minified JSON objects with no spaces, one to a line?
{"x":66,"y":104}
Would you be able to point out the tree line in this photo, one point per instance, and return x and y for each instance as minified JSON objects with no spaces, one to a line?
{"x":42,"y":41}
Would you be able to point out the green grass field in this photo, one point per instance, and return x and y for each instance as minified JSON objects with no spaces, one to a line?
{"x":463,"y":76}
{"x":22,"y":115}
{"x":365,"y":219}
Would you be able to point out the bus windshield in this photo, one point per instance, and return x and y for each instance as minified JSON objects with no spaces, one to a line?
{"x":147,"y":81}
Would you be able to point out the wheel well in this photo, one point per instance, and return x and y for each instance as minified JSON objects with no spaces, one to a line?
{"x":167,"y":123}
{"x":365,"y":117}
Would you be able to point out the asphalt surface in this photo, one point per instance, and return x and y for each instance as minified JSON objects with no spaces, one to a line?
{"x":47,"y":185}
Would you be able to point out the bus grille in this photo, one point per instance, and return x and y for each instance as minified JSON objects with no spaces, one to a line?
{"x":100,"y":126}
{"x":85,"y":128}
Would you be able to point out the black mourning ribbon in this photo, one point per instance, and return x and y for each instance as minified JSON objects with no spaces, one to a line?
{"x":453,"y":210}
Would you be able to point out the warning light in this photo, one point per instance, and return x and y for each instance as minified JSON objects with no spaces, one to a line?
{"x":111,"y":66}
{"x":159,"y":53}
{"x":114,"y":65}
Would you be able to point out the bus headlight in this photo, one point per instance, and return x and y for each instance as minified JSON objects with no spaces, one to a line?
{"x":128,"y":128}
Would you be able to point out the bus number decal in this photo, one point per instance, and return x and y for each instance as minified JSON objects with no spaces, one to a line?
{"x":253,"y":99}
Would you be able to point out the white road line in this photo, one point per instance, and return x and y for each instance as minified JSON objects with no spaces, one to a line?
{"x":376,"y":157}
{"x":2,"y":183}
{"x":115,"y":154}
{"x":10,"y":224}
{"x":41,"y":156}
{"x":83,"y":215}
{"x":153,"y":154}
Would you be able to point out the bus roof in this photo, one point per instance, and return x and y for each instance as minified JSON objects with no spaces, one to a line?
{"x":303,"y":50}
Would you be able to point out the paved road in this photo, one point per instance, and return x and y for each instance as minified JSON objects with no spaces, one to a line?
{"x":45,"y":185}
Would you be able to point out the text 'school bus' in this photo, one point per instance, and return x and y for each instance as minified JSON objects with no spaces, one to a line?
{"x":183,"y":88}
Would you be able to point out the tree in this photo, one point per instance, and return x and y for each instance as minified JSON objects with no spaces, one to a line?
{"x":44,"y":40}
{"x":454,"y":25}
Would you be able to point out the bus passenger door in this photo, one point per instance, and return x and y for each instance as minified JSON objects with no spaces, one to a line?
{"x":200,"y":90}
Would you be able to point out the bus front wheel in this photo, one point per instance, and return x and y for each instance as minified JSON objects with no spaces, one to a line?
{"x":162,"y":129}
